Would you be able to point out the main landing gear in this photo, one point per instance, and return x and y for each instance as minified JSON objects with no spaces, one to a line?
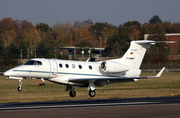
{"x":92,"y":93}
{"x":72,"y":92}
{"x":92,"y":89}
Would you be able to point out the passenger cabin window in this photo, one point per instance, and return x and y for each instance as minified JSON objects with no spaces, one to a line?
{"x":60,"y":65}
{"x":73,"y":66}
{"x":90,"y":67}
{"x":33,"y":62}
{"x":80,"y":67}
{"x":67,"y":66}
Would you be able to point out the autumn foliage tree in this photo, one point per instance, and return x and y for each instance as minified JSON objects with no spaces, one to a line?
{"x":22,"y":35}
{"x":118,"y":42}
{"x":100,"y":33}
{"x":134,"y":29}
{"x":32,"y":39}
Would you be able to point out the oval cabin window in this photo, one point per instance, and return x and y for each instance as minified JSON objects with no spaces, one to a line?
{"x":67,"y":66}
{"x":60,"y":65}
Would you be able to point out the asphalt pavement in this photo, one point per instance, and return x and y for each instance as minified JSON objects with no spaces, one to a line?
{"x":126,"y":107}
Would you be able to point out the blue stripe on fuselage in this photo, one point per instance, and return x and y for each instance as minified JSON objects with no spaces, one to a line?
{"x":60,"y":73}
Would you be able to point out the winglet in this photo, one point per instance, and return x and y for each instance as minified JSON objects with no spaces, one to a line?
{"x":160,"y":73}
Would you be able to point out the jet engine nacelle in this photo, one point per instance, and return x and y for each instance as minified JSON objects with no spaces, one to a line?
{"x":113,"y":67}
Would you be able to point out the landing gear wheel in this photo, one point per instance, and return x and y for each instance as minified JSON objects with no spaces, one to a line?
{"x":92,"y":93}
{"x":72,"y":93}
{"x":19,"y":89}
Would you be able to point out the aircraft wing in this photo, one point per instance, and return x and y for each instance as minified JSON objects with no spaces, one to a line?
{"x":115,"y":78}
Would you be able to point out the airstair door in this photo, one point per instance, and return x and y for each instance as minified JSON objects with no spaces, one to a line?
{"x":53,"y":68}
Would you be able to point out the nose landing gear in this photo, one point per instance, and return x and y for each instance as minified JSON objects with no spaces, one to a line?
{"x":19,"y":88}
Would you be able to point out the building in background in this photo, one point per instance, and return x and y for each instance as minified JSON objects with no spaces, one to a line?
{"x":73,"y":50}
{"x":174,"y":47}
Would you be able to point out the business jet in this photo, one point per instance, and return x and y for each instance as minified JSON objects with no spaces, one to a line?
{"x":76,"y":74}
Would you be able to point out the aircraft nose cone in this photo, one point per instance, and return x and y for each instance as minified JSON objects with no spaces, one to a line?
{"x":7,"y":73}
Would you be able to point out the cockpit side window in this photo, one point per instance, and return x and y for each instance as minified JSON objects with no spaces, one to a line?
{"x":30,"y":62}
{"x":38,"y":63}
{"x":33,"y":62}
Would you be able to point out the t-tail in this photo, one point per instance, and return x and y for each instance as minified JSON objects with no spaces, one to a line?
{"x":135,"y":54}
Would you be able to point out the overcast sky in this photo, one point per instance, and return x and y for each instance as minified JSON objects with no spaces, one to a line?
{"x":114,"y":12}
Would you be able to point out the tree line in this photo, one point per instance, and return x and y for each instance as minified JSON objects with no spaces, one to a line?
{"x":18,"y":37}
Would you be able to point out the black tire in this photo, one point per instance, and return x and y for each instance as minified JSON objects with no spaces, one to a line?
{"x":92,"y":93}
{"x":19,"y":88}
{"x":72,"y":93}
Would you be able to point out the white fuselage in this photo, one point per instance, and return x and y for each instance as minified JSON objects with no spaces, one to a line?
{"x":60,"y":71}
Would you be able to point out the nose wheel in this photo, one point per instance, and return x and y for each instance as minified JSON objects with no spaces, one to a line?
{"x":19,"y":88}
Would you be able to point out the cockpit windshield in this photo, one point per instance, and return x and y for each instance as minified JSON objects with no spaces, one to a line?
{"x":33,"y":62}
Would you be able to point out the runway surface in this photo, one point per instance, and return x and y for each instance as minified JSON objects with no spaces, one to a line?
{"x":132,"y":107}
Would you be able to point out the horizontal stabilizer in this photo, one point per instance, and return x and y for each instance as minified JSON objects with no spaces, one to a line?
{"x":152,"y":42}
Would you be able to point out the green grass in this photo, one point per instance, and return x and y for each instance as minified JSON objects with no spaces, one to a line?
{"x":167,"y":84}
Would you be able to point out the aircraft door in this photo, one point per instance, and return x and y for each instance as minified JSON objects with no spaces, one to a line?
{"x":53,"y":68}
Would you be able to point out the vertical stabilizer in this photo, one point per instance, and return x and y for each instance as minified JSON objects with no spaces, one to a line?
{"x":135,"y":54}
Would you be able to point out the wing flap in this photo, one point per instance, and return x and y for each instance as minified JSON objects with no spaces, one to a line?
{"x":115,"y":78}
{"x":110,"y":78}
